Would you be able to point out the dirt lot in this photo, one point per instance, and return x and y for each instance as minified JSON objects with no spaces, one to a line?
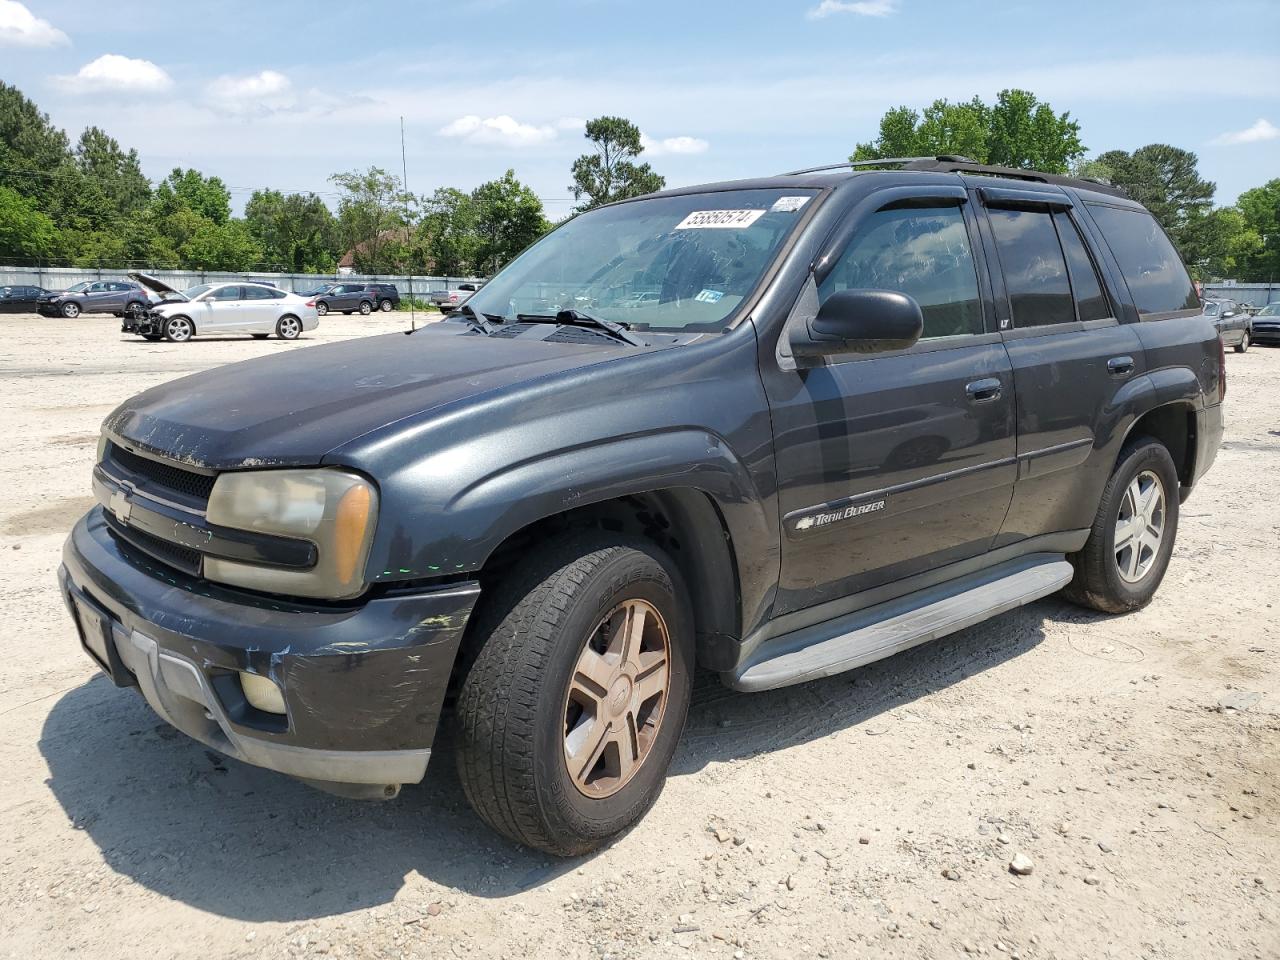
{"x":870,"y":815}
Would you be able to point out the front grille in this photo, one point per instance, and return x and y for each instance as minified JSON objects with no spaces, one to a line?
{"x":187,"y":483}
{"x":178,"y":557}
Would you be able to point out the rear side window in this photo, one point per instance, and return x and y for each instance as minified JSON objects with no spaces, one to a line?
{"x":1156,"y":277}
{"x":1091,"y":302}
{"x":1035,"y":273}
{"x":256,"y":293}
{"x":922,"y":252}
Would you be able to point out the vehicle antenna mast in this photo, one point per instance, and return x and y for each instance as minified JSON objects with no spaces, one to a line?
{"x":404,"y":179}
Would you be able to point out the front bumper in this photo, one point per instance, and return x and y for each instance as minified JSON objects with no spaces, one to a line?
{"x":363,"y":686}
{"x":149,"y":323}
{"x":1265,"y":334}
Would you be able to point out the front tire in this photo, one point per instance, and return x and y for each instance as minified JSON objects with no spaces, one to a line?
{"x":1129,"y":545}
{"x":1243,"y":345}
{"x":179,"y":329}
{"x":575,"y":691}
{"x":71,"y":310}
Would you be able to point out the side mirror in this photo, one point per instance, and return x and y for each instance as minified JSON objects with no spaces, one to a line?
{"x":859,"y":321}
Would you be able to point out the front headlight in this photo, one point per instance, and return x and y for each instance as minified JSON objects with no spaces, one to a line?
{"x":336,"y":511}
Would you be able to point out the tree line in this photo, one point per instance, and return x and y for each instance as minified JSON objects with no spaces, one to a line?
{"x":90,"y":204}
{"x":1241,"y":241}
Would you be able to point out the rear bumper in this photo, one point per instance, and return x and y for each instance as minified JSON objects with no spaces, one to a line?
{"x":363,"y":687}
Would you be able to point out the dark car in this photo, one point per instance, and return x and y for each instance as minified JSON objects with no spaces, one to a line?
{"x":21,"y":299}
{"x":315,"y":291}
{"x":364,"y":298}
{"x":1232,"y":322}
{"x":866,"y":409}
{"x":119,"y":297}
{"x":1266,"y":325}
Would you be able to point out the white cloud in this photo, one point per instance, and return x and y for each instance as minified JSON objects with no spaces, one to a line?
{"x":1260,"y":131}
{"x":503,"y":130}
{"x":863,"y":8}
{"x":265,"y":92}
{"x":656,"y":148}
{"x":19,"y":27}
{"x":112,"y":72}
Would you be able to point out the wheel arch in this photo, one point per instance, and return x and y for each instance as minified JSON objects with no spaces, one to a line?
{"x":685,"y":523}
{"x":1173,"y":424}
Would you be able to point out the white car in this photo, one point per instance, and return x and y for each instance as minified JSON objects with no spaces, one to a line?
{"x":256,"y":309}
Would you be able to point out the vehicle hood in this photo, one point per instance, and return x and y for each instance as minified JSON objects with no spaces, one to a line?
{"x":156,"y":285}
{"x":293,"y":408}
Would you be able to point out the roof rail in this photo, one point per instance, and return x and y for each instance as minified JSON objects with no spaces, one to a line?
{"x":956,"y":164}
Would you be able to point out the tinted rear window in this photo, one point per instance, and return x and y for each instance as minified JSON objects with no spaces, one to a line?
{"x":1156,"y":277}
{"x":1035,"y":273}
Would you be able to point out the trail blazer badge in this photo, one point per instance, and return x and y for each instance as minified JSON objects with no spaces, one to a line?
{"x":848,"y":513}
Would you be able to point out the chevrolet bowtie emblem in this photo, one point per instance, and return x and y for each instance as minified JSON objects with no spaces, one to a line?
{"x":120,"y":506}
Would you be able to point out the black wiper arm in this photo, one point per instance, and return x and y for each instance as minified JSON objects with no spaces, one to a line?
{"x":479,"y":321}
{"x":573,"y":317}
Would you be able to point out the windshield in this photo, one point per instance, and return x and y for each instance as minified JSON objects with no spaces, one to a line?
{"x":192,"y":292}
{"x":1211,"y":309}
{"x":1271,"y":310}
{"x":670,"y":263}
{"x":77,"y":287}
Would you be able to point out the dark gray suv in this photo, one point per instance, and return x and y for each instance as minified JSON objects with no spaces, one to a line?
{"x":120,"y":297}
{"x":779,"y":428}
{"x":363,"y":298}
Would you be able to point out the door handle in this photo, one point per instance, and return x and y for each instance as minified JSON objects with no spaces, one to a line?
{"x":981,"y":391}
{"x":1120,"y":366}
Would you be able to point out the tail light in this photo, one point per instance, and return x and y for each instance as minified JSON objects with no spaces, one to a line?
{"x":1222,"y":371}
{"x":311,"y":303}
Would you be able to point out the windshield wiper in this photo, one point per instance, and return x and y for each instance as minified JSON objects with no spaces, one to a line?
{"x":573,"y":317}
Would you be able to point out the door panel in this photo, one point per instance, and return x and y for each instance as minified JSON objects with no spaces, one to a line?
{"x":892,"y":464}
{"x":1066,"y":370}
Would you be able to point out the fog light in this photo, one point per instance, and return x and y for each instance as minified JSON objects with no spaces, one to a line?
{"x":262,"y":693}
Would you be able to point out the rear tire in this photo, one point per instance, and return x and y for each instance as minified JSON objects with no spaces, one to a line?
{"x":288,"y":327}
{"x":540,"y":743}
{"x":134,"y":310}
{"x":386,"y":306}
{"x":1243,"y":345}
{"x":1125,"y":558}
{"x":321,"y":308}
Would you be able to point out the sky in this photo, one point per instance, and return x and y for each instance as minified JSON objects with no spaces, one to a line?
{"x":284,"y":94}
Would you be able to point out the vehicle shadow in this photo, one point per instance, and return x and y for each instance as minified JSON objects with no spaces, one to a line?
{"x":242,"y":842}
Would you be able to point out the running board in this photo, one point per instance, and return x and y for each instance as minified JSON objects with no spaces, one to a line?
{"x":887,"y":628}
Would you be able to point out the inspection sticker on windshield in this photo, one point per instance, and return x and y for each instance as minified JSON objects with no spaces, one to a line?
{"x":709,"y":296}
{"x":719,"y":219}
{"x":788,"y":204}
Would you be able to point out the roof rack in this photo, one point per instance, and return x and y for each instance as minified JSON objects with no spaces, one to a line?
{"x":948,"y":163}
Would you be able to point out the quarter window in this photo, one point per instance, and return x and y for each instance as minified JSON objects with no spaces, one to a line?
{"x":1091,"y":302}
{"x":1035,"y":273}
{"x":1152,"y":268}
{"x":923,"y":252}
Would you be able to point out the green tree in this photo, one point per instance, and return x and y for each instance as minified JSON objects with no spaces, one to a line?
{"x":610,"y":173}
{"x":373,"y":218}
{"x":296,"y":231}
{"x":1166,"y":180}
{"x":34,"y":154}
{"x":447,"y":241}
{"x":191,"y":190}
{"x":221,"y":246}
{"x":1260,"y":210}
{"x":1017,"y":131}
{"x":117,"y":175}
{"x":25,"y":232}
{"x":508,"y":217}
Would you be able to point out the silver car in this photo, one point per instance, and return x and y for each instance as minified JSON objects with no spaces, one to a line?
{"x":256,"y":309}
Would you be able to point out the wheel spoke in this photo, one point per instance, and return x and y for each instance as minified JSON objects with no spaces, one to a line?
{"x":628,"y":743}
{"x":587,"y":748}
{"x":1135,"y":556}
{"x":633,"y":633}
{"x":592,"y":675}
{"x":651,"y":678}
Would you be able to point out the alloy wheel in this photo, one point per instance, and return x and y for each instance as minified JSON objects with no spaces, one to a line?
{"x":617,"y":698}
{"x":178,"y":329}
{"x":71,"y":310}
{"x":386,"y":306}
{"x":1140,"y":527}
{"x":322,"y":308}
{"x":289,"y":328}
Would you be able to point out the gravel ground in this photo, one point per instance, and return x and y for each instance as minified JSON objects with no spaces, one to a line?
{"x":1132,"y":761}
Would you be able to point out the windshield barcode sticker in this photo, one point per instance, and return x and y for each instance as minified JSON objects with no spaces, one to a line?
{"x":788,"y":204}
{"x":719,"y":219}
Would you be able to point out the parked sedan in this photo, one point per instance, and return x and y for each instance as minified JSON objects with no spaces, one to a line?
{"x":222,"y":308}
{"x":20,"y":299}
{"x":1266,"y":325}
{"x":1233,"y":323}
{"x":96,"y":296}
